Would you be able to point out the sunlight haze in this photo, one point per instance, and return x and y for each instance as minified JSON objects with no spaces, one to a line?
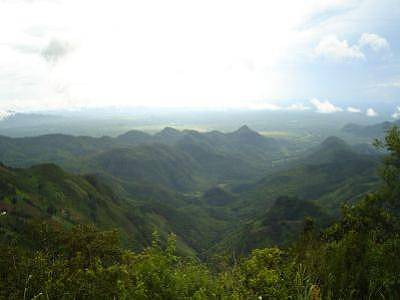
{"x":248,"y":54}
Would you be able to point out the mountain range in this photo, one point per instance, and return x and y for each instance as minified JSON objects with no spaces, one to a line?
{"x":217,"y":191}
{"x":369,"y":131}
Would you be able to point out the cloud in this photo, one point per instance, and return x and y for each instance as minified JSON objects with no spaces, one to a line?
{"x":374,"y":41}
{"x":5,"y":114}
{"x":325,"y":106}
{"x":396,"y":114}
{"x":146,"y":61}
{"x":55,"y":50}
{"x":324,"y":11}
{"x":353,"y":109}
{"x":275,"y":107}
{"x":332,"y":47}
{"x":27,"y":49}
{"x":371,"y":113}
{"x":266,"y":106}
{"x":298,"y":106}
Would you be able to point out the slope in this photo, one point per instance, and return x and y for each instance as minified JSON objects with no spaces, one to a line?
{"x":331,"y":174}
{"x":279,"y":225}
{"x":46,"y":192}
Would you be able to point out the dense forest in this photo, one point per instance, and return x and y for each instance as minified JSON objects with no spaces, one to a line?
{"x":148,"y":223}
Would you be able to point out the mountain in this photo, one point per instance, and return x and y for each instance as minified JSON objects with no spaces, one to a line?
{"x":46,"y":192}
{"x":28,"y":120}
{"x":193,"y":184}
{"x":245,"y":135}
{"x":217,"y":196}
{"x":279,"y":225}
{"x":168,"y":136}
{"x":271,"y":211}
{"x":369,"y":131}
{"x":65,"y":150}
{"x":134,"y":137}
{"x":155,"y":163}
{"x":329,"y":175}
{"x":184,"y":160}
{"x":216,"y":164}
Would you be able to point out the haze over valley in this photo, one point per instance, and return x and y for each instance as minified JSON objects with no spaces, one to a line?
{"x":199,"y":150}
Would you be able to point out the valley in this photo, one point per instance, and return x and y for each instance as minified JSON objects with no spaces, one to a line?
{"x":202,"y":186}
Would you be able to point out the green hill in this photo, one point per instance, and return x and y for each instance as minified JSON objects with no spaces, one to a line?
{"x":218,"y":196}
{"x":134,"y":137}
{"x":369,"y":131}
{"x":185,"y":160}
{"x":46,"y":192}
{"x":331,"y":174}
{"x":279,"y":225}
{"x":192,"y":184}
{"x":156,"y":164}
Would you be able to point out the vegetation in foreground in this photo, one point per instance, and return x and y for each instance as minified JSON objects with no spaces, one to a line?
{"x":358,"y":257}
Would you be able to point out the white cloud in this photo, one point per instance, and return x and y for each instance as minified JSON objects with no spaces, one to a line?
{"x":374,"y":41}
{"x":139,"y":53}
{"x":332,"y":47}
{"x":396,"y":114}
{"x":266,"y":106}
{"x":325,"y":106}
{"x":130,"y":53}
{"x":371,"y":113}
{"x":5,"y":113}
{"x":275,"y":107}
{"x":353,"y":109}
{"x":298,"y":106}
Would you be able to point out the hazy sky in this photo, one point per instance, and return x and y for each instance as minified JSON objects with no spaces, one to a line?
{"x":326,"y":56}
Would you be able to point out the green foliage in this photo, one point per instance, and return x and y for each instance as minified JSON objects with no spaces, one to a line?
{"x":183,"y":160}
{"x":279,"y":226}
{"x":358,"y":257}
{"x":330,"y":175}
{"x":84,"y":263}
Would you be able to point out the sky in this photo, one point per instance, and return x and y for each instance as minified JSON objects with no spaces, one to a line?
{"x":325,"y":56}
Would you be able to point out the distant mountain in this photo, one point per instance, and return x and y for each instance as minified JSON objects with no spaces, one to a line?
{"x":208,"y":188}
{"x":245,"y":135}
{"x":329,"y":175}
{"x":216,"y":163}
{"x":369,"y":131}
{"x":134,"y":137}
{"x":168,"y":136}
{"x":207,"y":158}
{"x":155,"y":164}
{"x":28,"y":119}
{"x":331,"y":150}
{"x":271,"y":211}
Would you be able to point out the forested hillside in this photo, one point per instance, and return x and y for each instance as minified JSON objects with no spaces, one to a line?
{"x":183,"y":160}
{"x":47,"y":254}
{"x":47,"y":193}
{"x":202,"y":186}
{"x":207,"y":190}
